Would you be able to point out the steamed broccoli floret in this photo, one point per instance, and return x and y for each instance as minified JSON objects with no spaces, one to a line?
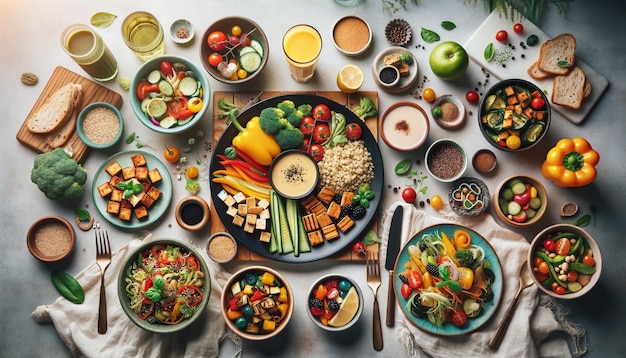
{"x":287,"y":106}
{"x":58,"y":175}
{"x":294,"y":115}
{"x":272,"y":120}
{"x":289,"y":138}
{"x":465,"y":257}
{"x":366,"y":108}
{"x":225,"y":106}
{"x":306,"y":109}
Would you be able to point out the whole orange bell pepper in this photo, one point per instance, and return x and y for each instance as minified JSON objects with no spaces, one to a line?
{"x":571,"y":163}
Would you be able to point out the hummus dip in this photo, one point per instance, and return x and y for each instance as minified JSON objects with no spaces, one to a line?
{"x":405,"y":126}
{"x":294,"y":174}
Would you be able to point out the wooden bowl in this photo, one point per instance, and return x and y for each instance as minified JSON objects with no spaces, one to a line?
{"x":51,"y":239}
{"x":502,"y":198}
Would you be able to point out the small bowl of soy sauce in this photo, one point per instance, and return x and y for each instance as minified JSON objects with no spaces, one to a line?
{"x":192,"y":213}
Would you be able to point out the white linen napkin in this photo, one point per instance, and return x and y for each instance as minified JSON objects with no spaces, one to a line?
{"x":78,"y":328}
{"x":536,"y":318}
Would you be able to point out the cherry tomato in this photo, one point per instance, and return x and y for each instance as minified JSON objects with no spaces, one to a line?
{"x":409,"y":195}
{"x":166,"y":68}
{"x":306,"y":142}
{"x":171,"y":154}
{"x":241,"y":73}
{"x":215,"y":59}
{"x":537,"y":103}
{"x":518,"y":28}
{"x":471,"y":96}
{"x":537,"y":261}
{"x":321,"y":112}
{"x":458,"y":318}
{"x":192,"y":172}
{"x":217,"y":40}
{"x":588,"y":260}
{"x":235,"y":30}
{"x":415,"y":279}
{"x":572,"y":276}
{"x":307,"y":123}
{"x":543,"y":268}
{"x":321,"y":133}
{"x":559,"y":290}
{"x":233,"y":40}
{"x":406,"y":291}
{"x":245,"y":40}
{"x":502,"y":35}
{"x":548,"y":244}
{"x":359,"y":248}
{"x":429,"y":95}
{"x":353,"y":131}
{"x":562,"y":246}
{"x":541,"y":276}
{"x":317,"y":152}
{"x":436,"y":202}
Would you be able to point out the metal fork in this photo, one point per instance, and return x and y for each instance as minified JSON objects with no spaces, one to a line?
{"x":373,"y":281}
{"x":103,"y":259}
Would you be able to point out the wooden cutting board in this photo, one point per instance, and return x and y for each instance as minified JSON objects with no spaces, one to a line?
{"x":245,"y":99}
{"x":91,"y":92}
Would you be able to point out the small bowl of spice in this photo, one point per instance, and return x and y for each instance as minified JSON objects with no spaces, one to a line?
{"x":352,"y":35}
{"x":221,"y":247}
{"x":51,"y":239}
{"x":446,"y":160}
{"x":404,"y":126}
{"x":182,"y":31}
{"x":484,"y":161}
{"x":448,"y":111}
{"x":100,"y":125}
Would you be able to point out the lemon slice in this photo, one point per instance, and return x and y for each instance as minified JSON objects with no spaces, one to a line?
{"x":349,"y":79}
{"x":347,"y":311}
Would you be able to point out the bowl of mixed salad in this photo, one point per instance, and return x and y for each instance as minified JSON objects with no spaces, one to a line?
{"x":164,"y":286}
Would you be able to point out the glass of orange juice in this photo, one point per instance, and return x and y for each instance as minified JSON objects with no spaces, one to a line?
{"x":143,"y":34}
{"x":302,"y":45}
{"x":89,"y":51}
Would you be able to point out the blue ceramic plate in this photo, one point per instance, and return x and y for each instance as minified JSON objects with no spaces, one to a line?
{"x":155,"y":212}
{"x":489,"y":308}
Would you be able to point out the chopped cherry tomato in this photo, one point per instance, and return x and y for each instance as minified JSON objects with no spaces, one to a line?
{"x":406,"y":291}
{"x":167,"y":68}
{"x":559,"y":290}
{"x":193,"y":295}
{"x":458,"y":318}
{"x":537,"y":103}
{"x":562,"y":246}
{"x":321,"y":133}
{"x":178,"y":108}
{"x":588,"y":260}
{"x":409,"y":195}
{"x":143,"y":88}
{"x":572,"y":276}
{"x":215,"y":59}
{"x":518,"y":28}
{"x":317,"y":152}
{"x":353,"y":131}
{"x":502,"y":35}
{"x":415,"y":279}
{"x":321,"y":112}
{"x":217,"y":40}
{"x":307,"y":123}
{"x":548,"y":244}
{"x":471,"y":96}
{"x":147,"y":308}
{"x":359,"y":248}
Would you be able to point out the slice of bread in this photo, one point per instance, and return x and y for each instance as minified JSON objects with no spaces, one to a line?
{"x":559,"y":48}
{"x":56,"y":110}
{"x":534,"y":72}
{"x":569,"y":90}
{"x":587,"y":88}
{"x":59,"y":137}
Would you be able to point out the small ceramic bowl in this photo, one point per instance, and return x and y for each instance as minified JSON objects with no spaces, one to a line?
{"x":484,"y":161}
{"x":192,"y":213}
{"x":343,"y":297}
{"x":294,"y":174}
{"x":275,"y":307}
{"x":100,"y":125}
{"x":398,"y":32}
{"x":352,"y":35}
{"x":518,"y":205}
{"x":221,"y":247}
{"x":388,"y":76}
{"x":51,"y":239}
{"x":577,"y":271}
{"x":448,"y":111}
{"x":404,"y":61}
{"x":468,"y":196}
{"x":182,"y":31}
{"x":446,"y":160}
{"x":404,"y":126}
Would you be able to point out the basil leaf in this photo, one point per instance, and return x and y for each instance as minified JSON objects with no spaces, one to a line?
{"x":454,"y":286}
{"x":489,"y":52}
{"x":68,"y":287}
{"x":102,"y":19}
{"x":583,"y":221}
{"x":429,"y":36}
{"x":403,"y":166}
{"x":82,"y":214}
{"x":563,"y":64}
{"x":448,"y":25}
{"x":130,"y":138}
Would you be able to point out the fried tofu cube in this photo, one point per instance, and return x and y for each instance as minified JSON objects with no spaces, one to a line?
{"x":238,"y":220}
{"x":242,"y":210}
{"x":113,"y":207}
{"x":139,"y":160}
{"x":330,"y":232}
{"x":309,"y":202}
{"x":256,"y":210}
{"x":125,"y":204}
{"x":260,"y":224}
{"x":141,"y":173}
{"x":125,"y":214}
{"x":310,"y":223}
{"x":229,"y":200}
{"x":522,"y":96}
{"x":250,"y":201}
{"x":249,"y":228}
{"x":117,"y":195}
{"x":265,"y":236}
{"x":232,"y":211}
{"x":324,"y":220}
{"x":263,"y":203}
{"x":265,"y":214}
{"x":512,"y":100}
{"x":509,"y":91}
{"x":141,"y":212}
{"x":346,"y":198}
{"x":239,"y":197}
{"x":334,"y":210}
{"x":147,"y":201}
{"x":154,"y":175}
{"x":539,"y":115}
{"x":251,"y":219}
{"x":326,"y":194}
{"x":114,"y":169}
{"x":154,"y":193}
{"x":105,"y":189}
{"x":315,"y":237}
{"x":115,"y":180}
{"x":318,"y":209}
{"x":128,"y":172}
{"x":345,"y":224}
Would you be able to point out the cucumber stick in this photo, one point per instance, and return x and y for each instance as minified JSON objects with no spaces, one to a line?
{"x":284,"y":233}
{"x":303,"y":239}
{"x":291,"y":211}
{"x":275,"y":217}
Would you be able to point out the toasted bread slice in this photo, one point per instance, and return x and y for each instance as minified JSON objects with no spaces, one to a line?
{"x":561,"y":48}
{"x":59,"y":137}
{"x":587,"y":88}
{"x":534,"y":72}
{"x":56,"y":110}
{"x":569,"y":90}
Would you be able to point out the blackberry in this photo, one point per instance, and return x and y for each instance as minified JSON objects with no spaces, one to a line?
{"x":358,"y":212}
{"x":423,"y":246}
{"x":347,"y":210}
{"x":316,"y":303}
{"x":432,"y":269}
{"x":333,"y":305}
{"x":403,"y":279}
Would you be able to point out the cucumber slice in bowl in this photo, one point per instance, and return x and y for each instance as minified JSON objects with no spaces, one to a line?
{"x":188,"y":86}
{"x":250,"y":61}
{"x":155,"y":76}
{"x":255,"y":44}
{"x":156,"y":108}
{"x":166,"y":88}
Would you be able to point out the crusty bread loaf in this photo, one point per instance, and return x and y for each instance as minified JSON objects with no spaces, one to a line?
{"x":534,"y":72}
{"x":56,"y":110}
{"x":59,"y":137}
{"x":559,"y":48}
{"x":569,"y":90}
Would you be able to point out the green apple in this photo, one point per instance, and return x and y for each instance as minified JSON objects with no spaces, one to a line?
{"x":448,"y":60}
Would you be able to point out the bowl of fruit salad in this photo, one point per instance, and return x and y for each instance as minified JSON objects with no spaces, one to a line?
{"x":169,"y":94}
{"x":234,"y":50}
{"x":257,"y":303}
{"x":335,"y":302}
{"x":565,"y":261}
{"x":520,"y":200}
{"x":514,"y":115}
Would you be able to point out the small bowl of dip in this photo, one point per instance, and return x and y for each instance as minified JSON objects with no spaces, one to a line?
{"x":484,"y":161}
{"x":352,"y":35}
{"x":221,"y":247}
{"x":294,"y":174}
{"x":51,"y":239}
{"x":99,"y":125}
{"x":446,"y":160}
{"x":192,"y":213}
{"x":448,"y":111}
{"x":404,"y":126}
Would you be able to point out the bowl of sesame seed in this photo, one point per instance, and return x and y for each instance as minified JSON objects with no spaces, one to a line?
{"x":51,"y":239}
{"x":100,"y":125}
{"x":446,"y":160}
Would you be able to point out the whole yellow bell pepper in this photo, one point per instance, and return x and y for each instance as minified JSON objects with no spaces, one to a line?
{"x":253,"y":141}
{"x":571,"y":163}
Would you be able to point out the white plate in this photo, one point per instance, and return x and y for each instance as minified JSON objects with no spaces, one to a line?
{"x":406,"y":82}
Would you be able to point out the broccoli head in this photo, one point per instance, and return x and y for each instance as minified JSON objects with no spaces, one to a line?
{"x":292,"y":114}
{"x":289,"y":138}
{"x":272,"y":120}
{"x":58,"y":175}
{"x":366,"y":108}
{"x":465,"y":257}
{"x":306,"y":109}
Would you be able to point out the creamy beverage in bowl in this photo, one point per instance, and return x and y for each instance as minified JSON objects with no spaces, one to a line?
{"x":404,"y":126}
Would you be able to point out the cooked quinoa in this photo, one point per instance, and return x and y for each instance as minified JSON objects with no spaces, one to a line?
{"x":346,"y":167}
{"x":101,"y":125}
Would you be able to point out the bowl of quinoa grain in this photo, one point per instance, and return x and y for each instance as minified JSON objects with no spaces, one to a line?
{"x":446,"y":160}
{"x":51,"y":239}
{"x":221,"y":247}
{"x":100,"y":125}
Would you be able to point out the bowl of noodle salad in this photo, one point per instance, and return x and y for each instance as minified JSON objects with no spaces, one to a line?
{"x":164,"y":286}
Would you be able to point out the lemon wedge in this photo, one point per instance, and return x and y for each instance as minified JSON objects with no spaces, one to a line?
{"x":347,"y":311}
{"x":349,"y":79}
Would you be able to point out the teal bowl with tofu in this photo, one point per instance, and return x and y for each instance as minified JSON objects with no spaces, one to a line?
{"x":170,"y":94}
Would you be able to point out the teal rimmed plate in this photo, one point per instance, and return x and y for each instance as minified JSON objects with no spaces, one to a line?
{"x":489,"y":308}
